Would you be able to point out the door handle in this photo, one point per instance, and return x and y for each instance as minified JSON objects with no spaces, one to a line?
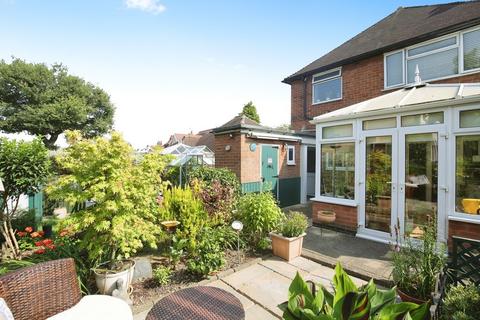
{"x":444,"y":188}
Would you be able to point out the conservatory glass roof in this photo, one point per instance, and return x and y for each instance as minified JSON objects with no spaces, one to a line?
{"x":403,"y":99}
{"x":184,"y":153}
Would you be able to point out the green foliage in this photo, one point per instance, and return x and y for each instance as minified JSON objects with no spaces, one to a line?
{"x":226,"y":177}
{"x":226,"y":237}
{"x":23,"y":219}
{"x":176,"y":250}
{"x":259,"y":214}
{"x":461,"y":302}
{"x":347,"y":302}
{"x":24,"y":168}
{"x":162,"y":275}
{"x":46,"y":101}
{"x":182,"y":205}
{"x":11,"y":265}
{"x":208,"y":256}
{"x":416,"y":265}
{"x":294,"y":224}
{"x":250,"y":111}
{"x":123,"y":189}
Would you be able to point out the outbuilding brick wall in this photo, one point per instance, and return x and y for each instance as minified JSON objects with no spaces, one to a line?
{"x":346,"y":217}
{"x":362,"y":80}
{"x":463,"y":229}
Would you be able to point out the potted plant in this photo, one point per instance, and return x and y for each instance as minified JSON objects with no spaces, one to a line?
{"x":417,"y":263}
{"x":287,"y":244}
{"x":122,"y":213}
{"x":326,"y":216}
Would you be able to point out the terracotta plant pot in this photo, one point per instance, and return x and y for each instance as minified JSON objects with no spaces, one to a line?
{"x":325,"y":216}
{"x":406,"y":298}
{"x":287,"y":248}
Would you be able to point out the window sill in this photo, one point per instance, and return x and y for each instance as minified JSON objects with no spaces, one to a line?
{"x":291,"y":164}
{"x":475,"y":219}
{"x":343,"y":202}
{"x":324,"y":102}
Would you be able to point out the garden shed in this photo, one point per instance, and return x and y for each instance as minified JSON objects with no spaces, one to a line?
{"x":394,"y":162}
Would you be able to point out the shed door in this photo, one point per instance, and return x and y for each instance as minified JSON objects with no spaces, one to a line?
{"x":270,"y":168}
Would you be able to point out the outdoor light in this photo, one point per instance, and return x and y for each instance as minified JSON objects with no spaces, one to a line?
{"x":237,"y":226}
{"x":2,"y":188}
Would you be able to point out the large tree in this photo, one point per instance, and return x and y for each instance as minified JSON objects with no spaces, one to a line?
{"x":250,"y":111}
{"x":46,"y":101}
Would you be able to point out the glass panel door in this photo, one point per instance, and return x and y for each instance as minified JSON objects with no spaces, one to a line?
{"x":378,"y":183}
{"x":420,"y":181}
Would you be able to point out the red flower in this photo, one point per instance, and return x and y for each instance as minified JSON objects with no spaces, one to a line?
{"x":29,"y":229}
{"x":47,"y":242}
{"x":39,"y":251}
{"x":63,"y":233}
{"x":35,"y":235}
{"x":38,"y":243}
{"x":21,"y":233}
{"x":50,"y":246}
{"x":41,"y":233}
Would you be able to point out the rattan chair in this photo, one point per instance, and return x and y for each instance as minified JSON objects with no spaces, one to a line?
{"x":42,"y":290}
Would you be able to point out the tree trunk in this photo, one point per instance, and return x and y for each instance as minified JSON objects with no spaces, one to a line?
{"x":50,"y":141}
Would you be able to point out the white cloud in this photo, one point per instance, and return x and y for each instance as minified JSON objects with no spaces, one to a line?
{"x":152,"y":6}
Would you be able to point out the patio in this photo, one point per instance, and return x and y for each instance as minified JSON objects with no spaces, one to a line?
{"x":262,"y":286}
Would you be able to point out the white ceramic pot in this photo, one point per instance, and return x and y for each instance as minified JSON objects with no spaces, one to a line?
{"x":107,"y":281}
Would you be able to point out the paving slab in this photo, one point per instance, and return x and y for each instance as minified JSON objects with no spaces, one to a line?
{"x":304,"y":264}
{"x":247,"y":303}
{"x":283,"y":267}
{"x":258,"y":313}
{"x":247,"y":275}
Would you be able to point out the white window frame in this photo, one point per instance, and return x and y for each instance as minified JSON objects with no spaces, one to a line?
{"x":385,"y":69}
{"x":459,"y":45}
{"x":339,"y":69}
{"x":290,"y":162}
{"x":318,"y":165}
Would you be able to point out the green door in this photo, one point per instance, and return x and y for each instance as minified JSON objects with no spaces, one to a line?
{"x":270,"y":168}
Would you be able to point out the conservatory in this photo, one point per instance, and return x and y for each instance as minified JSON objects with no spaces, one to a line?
{"x":388,"y":165}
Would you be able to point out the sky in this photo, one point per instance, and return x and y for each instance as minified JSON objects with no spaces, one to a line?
{"x":174,"y":66}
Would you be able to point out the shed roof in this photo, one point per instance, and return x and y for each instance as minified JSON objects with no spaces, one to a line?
{"x":404,"y":27}
{"x":407,"y":98}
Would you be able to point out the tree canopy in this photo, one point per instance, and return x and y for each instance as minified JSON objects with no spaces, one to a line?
{"x":250,"y":111}
{"x":46,"y":101}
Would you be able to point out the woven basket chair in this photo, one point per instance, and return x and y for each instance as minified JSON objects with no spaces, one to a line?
{"x":42,"y":290}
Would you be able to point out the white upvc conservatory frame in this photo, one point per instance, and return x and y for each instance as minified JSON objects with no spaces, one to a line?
{"x":447,"y":133}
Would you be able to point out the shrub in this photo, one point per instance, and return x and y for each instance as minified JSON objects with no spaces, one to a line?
{"x":347,"y":302}
{"x":208,"y":256}
{"x":259,"y":214}
{"x":162,"y":275}
{"x":123,"y":189}
{"x":416,"y":265}
{"x":176,"y":250}
{"x":226,"y":237}
{"x":218,"y":189}
{"x":182,"y":205}
{"x":294,"y":224}
{"x":461,"y":302}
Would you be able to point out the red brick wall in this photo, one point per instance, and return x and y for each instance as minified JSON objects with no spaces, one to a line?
{"x":246,"y":163}
{"x":463,"y":229}
{"x":346,"y":217}
{"x":362,"y":80}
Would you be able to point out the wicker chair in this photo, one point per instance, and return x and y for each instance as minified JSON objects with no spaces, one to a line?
{"x":42,"y":290}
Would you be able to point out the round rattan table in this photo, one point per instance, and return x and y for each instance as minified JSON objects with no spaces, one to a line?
{"x":198,"y":303}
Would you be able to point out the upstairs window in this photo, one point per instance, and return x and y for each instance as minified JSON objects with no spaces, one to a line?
{"x":445,"y":57}
{"x":291,"y":155}
{"x":327,"y":86}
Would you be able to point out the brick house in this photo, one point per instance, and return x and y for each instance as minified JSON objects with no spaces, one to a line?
{"x":396,"y":115}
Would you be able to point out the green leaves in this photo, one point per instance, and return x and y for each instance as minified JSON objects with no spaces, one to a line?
{"x":348,"y":302}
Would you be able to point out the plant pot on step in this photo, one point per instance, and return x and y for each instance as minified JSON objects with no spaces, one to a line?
{"x":115,"y":282}
{"x":325,"y":216}
{"x":407,"y":298}
{"x":287,"y":248}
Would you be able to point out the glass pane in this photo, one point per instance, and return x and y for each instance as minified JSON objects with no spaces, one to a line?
{"x":433,"y":46}
{"x":311,"y":160}
{"x":379,"y":124}
{"x":421,"y":179}
{"x":432,"y":66}
{"x":327,"y":90}
{"x":290,"y":154}
{"x":378,"y":193}
{"x":422,"y":119}
{"x":394,"y":67}
{"x":471,"y":50}
{"x":335,"y":73}
{"x":337,"y":177}
{"x":342,"y":131}
{"x":470,"y":118}
{"x":468,"y":175}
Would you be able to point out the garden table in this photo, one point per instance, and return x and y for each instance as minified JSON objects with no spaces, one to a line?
{"x":198,"y":303}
